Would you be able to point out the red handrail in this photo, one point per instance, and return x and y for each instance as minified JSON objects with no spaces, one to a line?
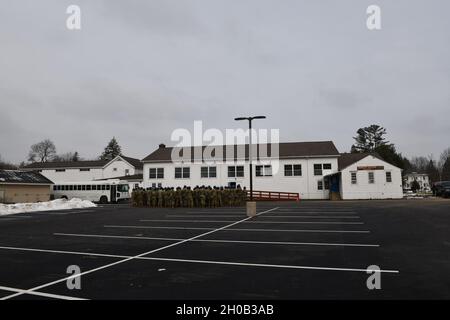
{"x":274,"y":196}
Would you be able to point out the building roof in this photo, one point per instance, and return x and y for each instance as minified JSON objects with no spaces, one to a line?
{"x":17,"y":176}
{"x":132,"y":177}
{"x":134,"y":162}
{"x":286,"y":150}
{"x":347,"y":159}
{"x":81,"y":164}
{"x":67,"y":164}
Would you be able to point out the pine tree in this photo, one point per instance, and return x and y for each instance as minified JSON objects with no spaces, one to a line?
{"x":76,"y":156}
{"x":369,"y":138}
{"x":112,"y":150}
{"x":432,"y":171}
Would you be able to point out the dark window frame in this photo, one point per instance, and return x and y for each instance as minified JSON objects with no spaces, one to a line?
{"x":319,"y":185}
{"x":317,"y":169}
{"x":182,"y":172}
{"x":353,"y":174}
{"x":371,"y":177}
{"x":388,"y":176}
{"x":261,"y":170}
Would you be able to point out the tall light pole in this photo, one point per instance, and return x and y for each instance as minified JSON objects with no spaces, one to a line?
{"x":250,"y":155}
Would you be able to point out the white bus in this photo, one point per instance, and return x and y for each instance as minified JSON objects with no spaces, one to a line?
{"x":111,"y":191}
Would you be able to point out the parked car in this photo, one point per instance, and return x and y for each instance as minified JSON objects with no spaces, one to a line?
{"x":441,"y":188}
{"x":446,"y":190}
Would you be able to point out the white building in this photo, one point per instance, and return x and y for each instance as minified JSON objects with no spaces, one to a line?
{"x":300,"y":169}
{"x":365,"y":176}
{"x":310,"y":169}
{"x":422,"y":178}
{"x":57,"y":172}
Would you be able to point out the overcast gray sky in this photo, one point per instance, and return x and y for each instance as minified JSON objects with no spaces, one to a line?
{"x":138,"y":70}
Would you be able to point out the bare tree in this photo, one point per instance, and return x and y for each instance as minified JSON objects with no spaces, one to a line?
{"x":6,"y":165}
{"x":67,"y":157}
{"x":443,"y":157}
{"x":43,"y":151}
{"x":419,"y":164}
{"x":444,"y":164}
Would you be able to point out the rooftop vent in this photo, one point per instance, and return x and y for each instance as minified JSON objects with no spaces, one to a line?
{"x":162,"y":145}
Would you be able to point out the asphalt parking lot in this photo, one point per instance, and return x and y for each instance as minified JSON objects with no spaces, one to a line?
{"x":302,"y":250}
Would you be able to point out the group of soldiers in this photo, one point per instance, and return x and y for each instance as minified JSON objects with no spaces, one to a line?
{"x":187,"y":197}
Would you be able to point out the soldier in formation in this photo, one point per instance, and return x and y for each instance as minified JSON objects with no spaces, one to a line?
{"x":187,"y":197}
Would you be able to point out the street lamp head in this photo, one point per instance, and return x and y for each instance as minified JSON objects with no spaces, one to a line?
{"x":259,"y":117}
{"x":249,"y":118}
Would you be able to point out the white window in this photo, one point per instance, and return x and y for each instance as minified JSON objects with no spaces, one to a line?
{"x":156,"y":173}
{"x":182,"y":172}
{"x":127,"y":172}
{"x":371,"y":177}
{"x":235,"y":171}
{"x":114,"y":169}
{"x":264,"y":171}
{"x":318,"y":167}
{"x":292,"y":170}
{"x":320,"y":185}
{"x":353,"y":177}
{"x":388,"y":176}
{"x":208,"y":172}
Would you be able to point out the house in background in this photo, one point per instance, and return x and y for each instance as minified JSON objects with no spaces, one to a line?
{"x":87,"y":170}
{"x":422,"y":178}
{"x":23,"y":186}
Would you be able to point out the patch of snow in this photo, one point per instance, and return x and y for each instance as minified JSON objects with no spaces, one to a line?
{"x":58,"y":204}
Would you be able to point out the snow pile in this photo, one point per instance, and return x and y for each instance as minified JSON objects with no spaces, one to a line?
{"x":59,"y":204}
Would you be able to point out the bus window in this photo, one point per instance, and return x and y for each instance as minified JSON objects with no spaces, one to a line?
{"x":66,"y":188}
{"x":94,"y":187}
{"x":122,"y":188}
{"x":55,"y":188}
{"x":107,"y":187}
{"x":103,"y":187}
{"x":79,"y":187}
{"x":83,"y":187}
{"x":88,"y":187}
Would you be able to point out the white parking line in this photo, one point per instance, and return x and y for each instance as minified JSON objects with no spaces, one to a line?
{"x":214,"y":213}
{"x":130,"y":258}
{"x":230,"y":229}
{"x":262,"y":222}
{"x":318,"y":212}
{"x":41,"y":294}
{"x":274,"y":216}
{"x":246,"y":264}
{"x":205,"y":215}
{"x":316,"y":208}
{"x":220,"y":240}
